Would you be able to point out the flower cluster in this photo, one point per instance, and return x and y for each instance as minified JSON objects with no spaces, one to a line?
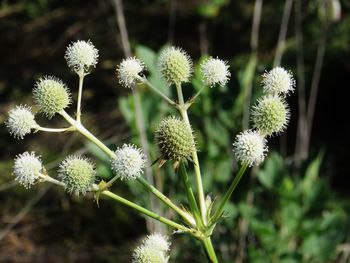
{"x":270,"y":116}
{"x":129,"y":162}
{"x":20,"y":121}
{"x":129,"y":71}
{"x":27,"y":169}
{"x":153,"y":249}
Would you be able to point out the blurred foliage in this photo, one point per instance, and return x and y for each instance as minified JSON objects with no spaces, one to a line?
{"x":278,"y":215}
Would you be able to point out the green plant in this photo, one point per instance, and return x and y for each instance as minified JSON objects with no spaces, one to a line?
{"x":174,"y":137}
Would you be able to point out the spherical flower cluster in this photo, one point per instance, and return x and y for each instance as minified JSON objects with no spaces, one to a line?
{"x":270,"y":115}
{"x":81,"y":56}
{"x":250,"y":148}
{"x":175,"y":65}
{"x":215,"y":71}
{"x":157,"y":241}
{"x":129,"y":162}
{"x":148,"y":255}
{"x":77,"y":173}
{"x":27,"y":169}
{"x":128,"y":71}
{"x":20,"y":121}
{"x":278,"y":81}
{"x":154,"y":249}
{"x":51,"y":95}
{"x":174,"y":139}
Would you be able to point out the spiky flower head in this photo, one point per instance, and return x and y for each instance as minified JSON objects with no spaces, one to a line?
{"x":129,"y":162}
{"x":278,"y":81}
{"x":157,"y":241}
{"x":174,"y":139}
{"x":81,"y":56}
{"x":144,"y":254}
{"x":20,"y":121}
{"x":51,"y":95}
{"x":250,"y":148}
{"x":128,"y":71}
{"x":27,"y":169}
{"x":175,"y":65}
{"x":270,"y":115}
{"x":215,"y":71}
{"x":77,"y":173}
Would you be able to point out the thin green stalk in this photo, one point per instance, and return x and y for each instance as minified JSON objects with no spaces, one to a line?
{"x":80,"y":92}
{"x":210,"y":250}
{"x":189,"y":219}
{"x":157,"y":91}
{"x":190,"y":195}
{"x":229,"y":192}
{"x":146,"y":211}
{"x":198,"y":177}
{"x":112,"y":155}
{"x":51,"y":180}
{"x":45,"y":129}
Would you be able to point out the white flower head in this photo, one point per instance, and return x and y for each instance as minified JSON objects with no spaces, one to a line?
{"x":144,"y":254}
{"x":129,"y":162}
{"x":278,"y":81}
{"x":20,"y":121}
{"x":81,"y":56}
{"x":250,"y":147}
{"x":215,"y":71}
{"x":157,"y":241}
{"x":77,"y":173}
{"x":128,"y":71}
{"x":27,"y":169}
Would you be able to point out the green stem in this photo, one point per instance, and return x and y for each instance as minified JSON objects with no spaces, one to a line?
{"x":157,"y":91}
{"x":88,"y":134}
{"x":80,"y":91}
{"x":198,"y":177}
{"x":49,"y":179}
{"x":190,"y":195}
{"x":189,"y":219}
{"x":146,"y":211}
{"x":112,"y":155}
{"x":45,"y":129}
{"x":229,"y":192}
{"x":210,"y":250}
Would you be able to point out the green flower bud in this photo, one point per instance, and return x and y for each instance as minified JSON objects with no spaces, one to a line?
{"x":77,"y":173}
{"x":144,"y":254}
{"x":20,"y":121}
{"x":175,"y":65}
{"x":51,"y":95}
{"x":174,"y":139}
{"x":270,"y":115}
{"x":27,"y":169}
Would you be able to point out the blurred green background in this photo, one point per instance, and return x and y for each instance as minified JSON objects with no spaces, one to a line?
{"x":294,"y":208}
